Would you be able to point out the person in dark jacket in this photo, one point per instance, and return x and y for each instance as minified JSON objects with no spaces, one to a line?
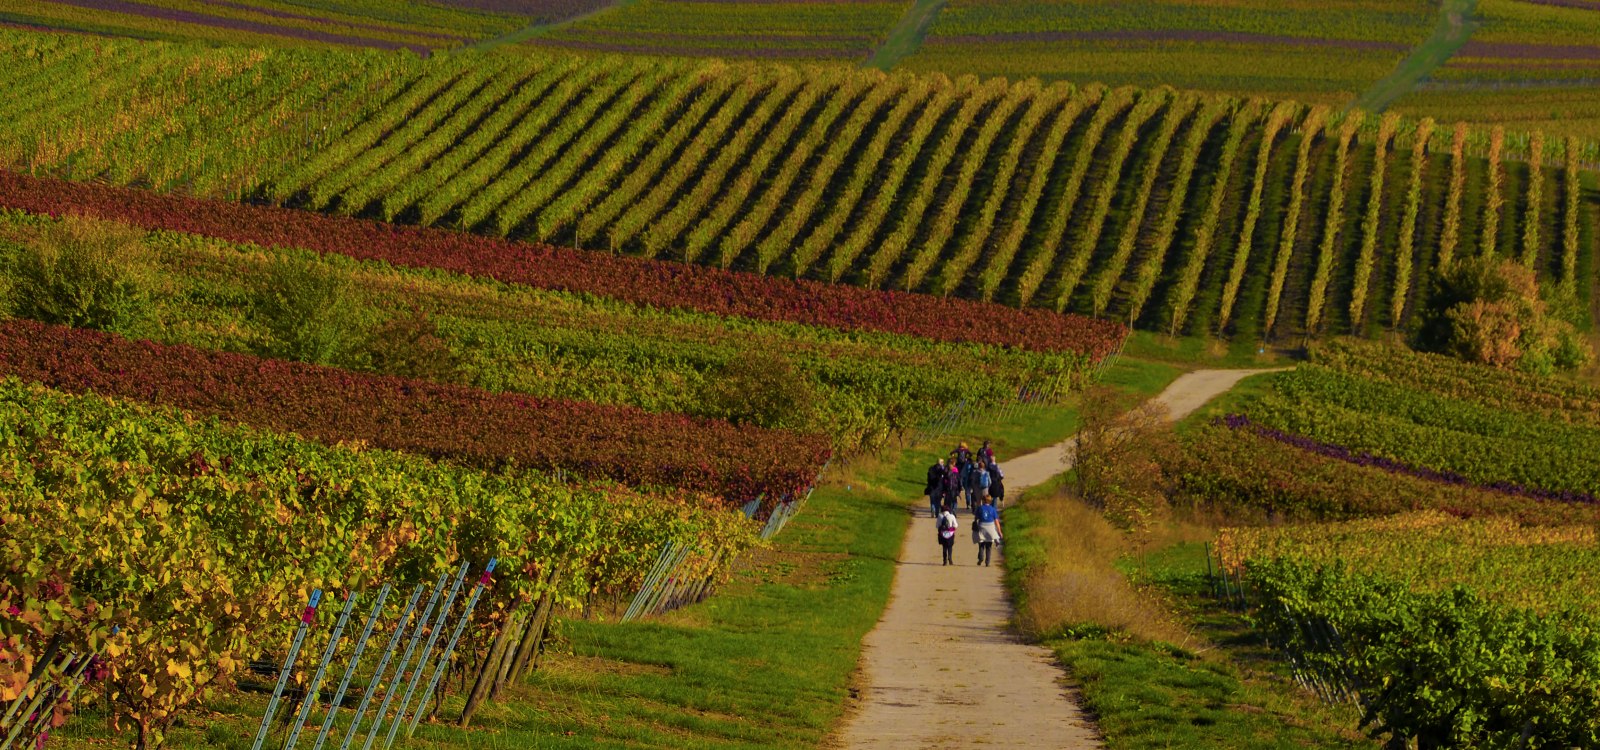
{"x":935,"y":487}
{"x":952,"y":487}
{"x":969,"y":472}
{"x":986,"y":454}
{"x":997,"y":485}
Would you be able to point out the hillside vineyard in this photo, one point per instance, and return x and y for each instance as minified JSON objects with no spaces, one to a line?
{"x":1177,"y":212}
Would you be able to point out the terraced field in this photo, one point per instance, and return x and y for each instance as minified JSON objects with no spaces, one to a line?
{"x":408,"y":24}
{"x":1530,"y":64}
{"x":792,"y":30}
{"x":1303,"y":50}
{"x":1177,"y":212}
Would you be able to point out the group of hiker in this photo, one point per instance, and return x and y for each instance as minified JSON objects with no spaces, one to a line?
{"x":975,"y":477}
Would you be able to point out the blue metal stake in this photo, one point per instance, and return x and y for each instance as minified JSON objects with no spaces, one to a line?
{"x":383,"y":663}
{"x":444,"y":659}
{"x":322,"y":671}
{"x":306,"y":618}
{"x":422,"y":661}
{"x":405,"y":659}
{"x":355,"y":660}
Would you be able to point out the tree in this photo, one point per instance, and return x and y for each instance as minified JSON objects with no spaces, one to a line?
{"x":410,"y":346}
{"x":1120,"y":452}
{"x":1491,"y":311}
{"x":764,"y":389}
{"x":309,"y":312}
{"x":83,"y":273}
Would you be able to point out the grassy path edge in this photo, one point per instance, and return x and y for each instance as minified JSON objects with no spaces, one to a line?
{"x":1455,"y":27}
{"x":907,"y":35}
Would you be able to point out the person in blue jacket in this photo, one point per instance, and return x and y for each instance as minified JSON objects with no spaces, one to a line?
{"x":986,"y":530}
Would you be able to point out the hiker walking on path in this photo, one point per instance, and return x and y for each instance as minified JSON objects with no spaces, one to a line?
{"x":975,"y":483}
{"x":935,"y":488}
{"x":961,"y":454}
{"x":952,"y":487}
{"x":997,"y":485}
{"x":947,"y":536}
{"x":986,"y":454}
{"x":986,"y":530}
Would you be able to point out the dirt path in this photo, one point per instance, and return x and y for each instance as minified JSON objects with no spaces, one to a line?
{"x":942,"y":670}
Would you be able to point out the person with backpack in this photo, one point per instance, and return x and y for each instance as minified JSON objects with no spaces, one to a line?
{"x":986,"y":454}
{"x":952,"y":487}
{"x":986,"y":530}
{"x":985,"y":479}
{"x":947,"y":536}
{"x":997,"y":485}
{"x":969,"y":483}
{"x":935,"y":488}
{"x":962,"y":454}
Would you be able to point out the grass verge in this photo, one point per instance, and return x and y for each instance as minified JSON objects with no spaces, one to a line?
{"x":1156,"y":661}
{"x":767,"y":662}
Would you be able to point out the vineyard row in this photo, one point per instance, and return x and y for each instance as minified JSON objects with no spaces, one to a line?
{"x":1088,"y":200}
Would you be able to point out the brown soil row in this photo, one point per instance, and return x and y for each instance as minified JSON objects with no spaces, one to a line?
{"x":801,"y":2}
{"x":1167,"y":35}
{"x":1579,"y":4}
{"x":546,"y":11}
{"x":275,"y":13}
{"x":1521,"y":51}
{"x":763,"y":53}
{"x":183,"y":16}
{"x":675,"y":38}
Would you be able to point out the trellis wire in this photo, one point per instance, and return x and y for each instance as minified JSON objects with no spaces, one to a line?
{"x":1330,"y":683}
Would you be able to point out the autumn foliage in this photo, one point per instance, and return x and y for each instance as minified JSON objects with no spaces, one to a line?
{"x":645,"y":282}
{"x":455,"y":423}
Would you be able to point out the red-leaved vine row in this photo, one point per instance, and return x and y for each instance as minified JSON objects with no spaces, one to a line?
{"x":447,"y":422}
{"x":645,"y":282}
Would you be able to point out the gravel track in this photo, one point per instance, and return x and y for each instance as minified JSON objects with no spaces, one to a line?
{"x":942,"y":669}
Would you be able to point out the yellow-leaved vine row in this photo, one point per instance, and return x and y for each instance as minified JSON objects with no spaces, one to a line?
{"x":1032,"y":195}
{"x":1280,"y":117}
{"x":1405,"y":254}
{"x":1327,"y":253}
{"x":1370,"y":223}
{"x":1309,"y":131}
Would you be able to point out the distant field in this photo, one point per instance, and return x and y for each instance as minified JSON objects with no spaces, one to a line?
{"x":1300,"y":49}
{"x":1531,"y":64}
{"x":384,"y":24}
{"x":1175,"y":211}
{"x":804,"y":29}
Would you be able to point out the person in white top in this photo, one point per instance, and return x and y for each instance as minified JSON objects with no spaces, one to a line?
{"x":947,"y":534}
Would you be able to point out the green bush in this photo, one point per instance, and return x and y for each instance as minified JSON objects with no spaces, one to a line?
{"x":764,"y":389}
{"x":410,"y":346}
{"x":79,"y":272}
{"x":309,"y":312}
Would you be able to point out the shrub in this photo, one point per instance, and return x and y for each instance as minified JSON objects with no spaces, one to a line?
{"x":1120,"y":455}
{"x":79,"y":272}
{"x":309,"y":312}
{"x":763,"y":389}
{"x":1490,"y":310}
{"x":410,"y":346}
